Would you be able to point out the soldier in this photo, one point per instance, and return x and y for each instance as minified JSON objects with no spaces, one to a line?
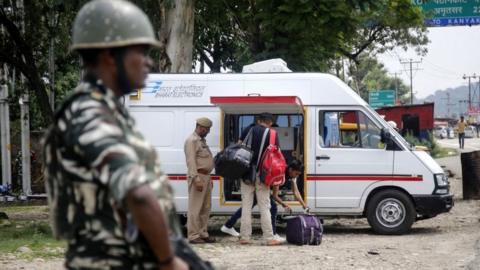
{"x":199,"y":164}
{"x":108,"y":197}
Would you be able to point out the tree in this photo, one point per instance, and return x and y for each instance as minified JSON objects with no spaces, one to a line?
{"x":174,"y":22}
{"x":385,"y":25}
{"x":25,"y":43}
{"x":310,"y":35}
{"x":216,"y":44}
{"x":176,"y":35}
{"x":370,"y":75}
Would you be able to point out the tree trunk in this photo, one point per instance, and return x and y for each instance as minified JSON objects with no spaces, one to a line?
{"x":26,"y":64}
{"x":176,"y":36}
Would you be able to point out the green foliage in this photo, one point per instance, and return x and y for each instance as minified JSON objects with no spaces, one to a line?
{"x":370,"y":75}
{"x":307,"y":34}
{"x":25,"y":229}
{"x":34,"y":31}
{"x":435,"y":150}
{"x":35,"y":235}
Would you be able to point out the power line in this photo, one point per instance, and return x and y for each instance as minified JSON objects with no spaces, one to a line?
{"x":469,"y":89}
{"x":411,"y":62}
{"x":441,"y":68}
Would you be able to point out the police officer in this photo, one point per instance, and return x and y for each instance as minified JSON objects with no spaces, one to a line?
{"x":108,"y":196}
{"x":200,"y":164}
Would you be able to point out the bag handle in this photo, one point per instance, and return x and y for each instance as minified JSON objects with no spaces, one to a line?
{"x":273,"y":134}
{"x":247,"y":141}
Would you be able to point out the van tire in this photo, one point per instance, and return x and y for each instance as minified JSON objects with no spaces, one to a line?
{"x":391,"y":212}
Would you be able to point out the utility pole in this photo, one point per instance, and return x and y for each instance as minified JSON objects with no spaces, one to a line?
{"x":478,"y":93}
{"x":396,"y":87}
{"x":5,"y":132}
{"x":448,"y":104}
{"x":411,"y":62}
{"x":469,"y":89}
{"x":26,"y":165}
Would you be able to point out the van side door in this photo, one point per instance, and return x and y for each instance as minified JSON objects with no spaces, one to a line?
{"x":349,"y":156}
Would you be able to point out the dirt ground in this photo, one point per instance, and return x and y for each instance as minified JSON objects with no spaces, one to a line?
{"x":448,"y":241}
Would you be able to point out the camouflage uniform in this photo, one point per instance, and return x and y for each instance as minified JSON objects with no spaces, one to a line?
{"x":95,"y":157}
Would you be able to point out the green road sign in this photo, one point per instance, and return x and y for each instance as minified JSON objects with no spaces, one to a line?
{"x":450,"y":12}
{"x":381,"y":98}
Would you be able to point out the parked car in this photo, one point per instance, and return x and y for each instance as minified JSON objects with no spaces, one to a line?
{"x":440,"y":132}
{"x":450,"y":133}
{"x":470,"y":132}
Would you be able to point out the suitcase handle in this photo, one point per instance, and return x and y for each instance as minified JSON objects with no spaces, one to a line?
{"x":312,"y":235}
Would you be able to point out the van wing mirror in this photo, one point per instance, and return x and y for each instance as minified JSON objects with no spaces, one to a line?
{"x":387,"y":139}
{"x":385,"y":136}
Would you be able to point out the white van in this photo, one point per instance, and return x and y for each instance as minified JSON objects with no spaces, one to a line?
{"x":355,"y":163}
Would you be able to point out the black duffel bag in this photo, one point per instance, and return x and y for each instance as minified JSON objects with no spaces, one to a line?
{"x":234,"y":161}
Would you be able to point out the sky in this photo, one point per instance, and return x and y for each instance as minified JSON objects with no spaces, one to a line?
{"x":453,"y":51}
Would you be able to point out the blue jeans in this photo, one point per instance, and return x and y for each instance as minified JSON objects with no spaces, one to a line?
{"x":238,"y":214}
{"x":461,"y":140}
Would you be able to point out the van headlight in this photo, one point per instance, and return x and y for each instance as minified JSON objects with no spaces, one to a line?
{"x":441,"y":180}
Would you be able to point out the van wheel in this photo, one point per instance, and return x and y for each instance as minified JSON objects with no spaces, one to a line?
{"x":390,"y":212}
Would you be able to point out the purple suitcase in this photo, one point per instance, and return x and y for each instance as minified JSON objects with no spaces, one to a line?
{"x":304,"y":230}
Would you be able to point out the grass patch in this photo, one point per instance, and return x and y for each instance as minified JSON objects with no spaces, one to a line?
{"x":34,"y":234}
{"x":435,"y":150}
{"x":445,"y":152}
{"x":24,"y":209}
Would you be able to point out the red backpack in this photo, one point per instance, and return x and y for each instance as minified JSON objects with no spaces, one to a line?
{"x":273,"y":165}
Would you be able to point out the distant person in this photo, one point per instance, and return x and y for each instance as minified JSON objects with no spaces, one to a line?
{"x":461,"y":132}
{"x":199,"y":163}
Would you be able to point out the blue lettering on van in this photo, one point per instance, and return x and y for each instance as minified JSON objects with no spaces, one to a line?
{"x":181,"y":91}
{"x":152,"y":87}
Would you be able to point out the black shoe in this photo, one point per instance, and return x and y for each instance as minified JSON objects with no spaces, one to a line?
{"x":197,"y":241}
{"x":209,"y":239}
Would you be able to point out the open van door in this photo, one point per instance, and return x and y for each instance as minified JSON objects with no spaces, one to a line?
{"x":239,"y":113}
{"x":349,"y":157}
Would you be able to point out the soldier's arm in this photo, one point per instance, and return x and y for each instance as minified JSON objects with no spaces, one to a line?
{"x":149,"y":218}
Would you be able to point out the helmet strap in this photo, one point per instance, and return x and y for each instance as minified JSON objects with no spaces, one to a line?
{"x":123,"y":82}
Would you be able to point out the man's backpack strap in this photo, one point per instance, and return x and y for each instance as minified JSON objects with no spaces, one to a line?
{"x":264,"y":136}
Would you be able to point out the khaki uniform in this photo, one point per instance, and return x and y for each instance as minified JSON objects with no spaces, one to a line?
{"x":200,"y":164}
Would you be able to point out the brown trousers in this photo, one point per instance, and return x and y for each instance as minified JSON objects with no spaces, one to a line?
{"x":199,"y":207}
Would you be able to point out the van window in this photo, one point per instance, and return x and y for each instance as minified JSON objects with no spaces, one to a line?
{"x":348,"y":129}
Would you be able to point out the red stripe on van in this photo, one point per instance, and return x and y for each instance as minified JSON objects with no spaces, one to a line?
{"x":183,"y":177}
{"x":255,"y":100}
{"x":364,"y":178}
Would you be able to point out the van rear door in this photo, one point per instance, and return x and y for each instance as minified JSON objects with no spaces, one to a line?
{"x":239,"y":112}
{"x":349,"y":157}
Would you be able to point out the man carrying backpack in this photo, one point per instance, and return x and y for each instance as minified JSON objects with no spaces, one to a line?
{"x":257,"y":188}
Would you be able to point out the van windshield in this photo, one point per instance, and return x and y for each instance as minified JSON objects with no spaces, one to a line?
{"x":394,"y":133}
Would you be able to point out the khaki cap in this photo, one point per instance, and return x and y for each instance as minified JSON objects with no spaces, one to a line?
{"x":204,"y":122}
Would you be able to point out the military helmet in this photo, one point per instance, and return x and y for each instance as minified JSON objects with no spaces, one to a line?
{"x":111,"y":23}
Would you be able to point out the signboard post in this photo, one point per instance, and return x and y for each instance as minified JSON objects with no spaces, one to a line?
{"x":451,"y":12}
{"x":381,"y":98}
